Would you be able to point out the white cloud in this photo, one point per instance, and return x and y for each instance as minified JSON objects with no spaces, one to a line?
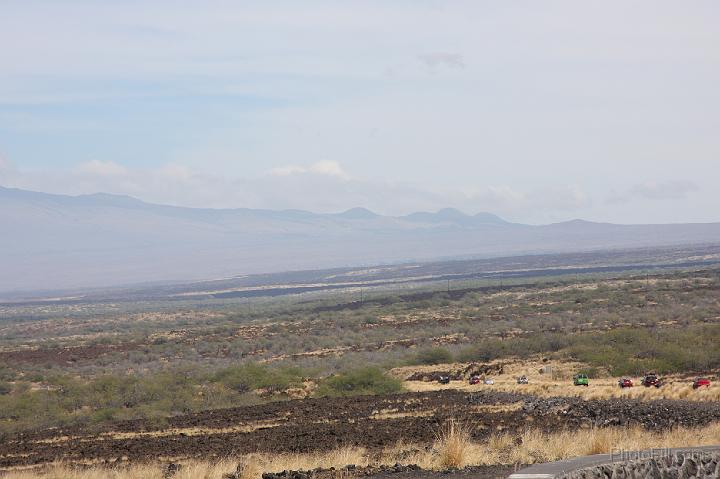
{"x":329,"y":168}
{"x":288,"y":170}
{"x":497,"y":195}
{"x":564,"y":198}
{"x":6,"y":168}
{"x":177,"y":172}
{"x":102,"y":168}
{"x":653,"y":190}
{"x":326,"y":168}
{"x":326,"y":187}
{"x":442,"y":59}
{"x":321,"y":187}
{"x":669,"y":190}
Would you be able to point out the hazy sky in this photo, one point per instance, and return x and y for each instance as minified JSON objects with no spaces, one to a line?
{"x":535,"y":110}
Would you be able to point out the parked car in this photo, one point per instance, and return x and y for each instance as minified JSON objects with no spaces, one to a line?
{"x":701,"y":382}
{"x":523,"y":380}
{"x":651,"y":379}
{"x":474,"y":379}
{"x":444,"y":379}
{"x":489,"y":381}
{"x":581,"y":379}
{"x":625,"y":383}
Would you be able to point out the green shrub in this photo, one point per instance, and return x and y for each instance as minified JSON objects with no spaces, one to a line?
{"x":5,"y":388}
{"x":361,"y":381}
{"x":248,"y":377}
{"x":633,"y":351}
{"x":6,"y":374}
{"x":432,"y":356}
{"x":104,"y":415}
{"x":486,"y":350}
{"x":592,"y":372}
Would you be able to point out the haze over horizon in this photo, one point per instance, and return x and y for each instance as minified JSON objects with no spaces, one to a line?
{"x":60,"y":242}
{"x":539,"y":113}
{"x":356,"y":212}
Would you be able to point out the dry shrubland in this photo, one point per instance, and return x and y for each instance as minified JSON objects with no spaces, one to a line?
{"x":83,"y":369}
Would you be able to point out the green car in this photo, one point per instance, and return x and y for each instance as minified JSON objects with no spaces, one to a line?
{"x":581,"y":380}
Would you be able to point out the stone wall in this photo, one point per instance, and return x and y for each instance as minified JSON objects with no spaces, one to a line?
{"x":679,"y":465}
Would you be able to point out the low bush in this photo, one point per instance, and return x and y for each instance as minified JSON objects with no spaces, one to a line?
{"x":361,"y":381}
{"x":5,"y":388}
{"x":432,"y":356}
{"x":633,"y":351}
{"x":485,"y":350}
{"x":153,"y":397}
{"x":248,"y":377}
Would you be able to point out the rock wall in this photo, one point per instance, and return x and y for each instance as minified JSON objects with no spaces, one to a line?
{"x":679,"y":465}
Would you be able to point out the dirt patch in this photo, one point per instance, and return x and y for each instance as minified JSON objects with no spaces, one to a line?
{"x":397,"y":471}
{"x":653,"y":415}
{"x":64,"y":356}
{"x":459,"y":373}
{"x":476,"y":472}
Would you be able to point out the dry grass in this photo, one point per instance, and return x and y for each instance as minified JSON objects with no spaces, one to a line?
{"x":191,"y":470}
{"x":536,"y":446}
{"x":453,"y":445}
{"x":607,"y":388}
{"x":559,"y":383}
{"x":453,"y":448}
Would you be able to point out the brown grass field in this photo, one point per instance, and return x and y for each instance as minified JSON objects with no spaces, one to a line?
{"x":559,"y":382}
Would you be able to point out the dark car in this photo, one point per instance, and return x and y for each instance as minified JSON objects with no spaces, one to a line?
{"x":444,"y":379}
{"x":701,"y":382}
{"x":651,"y":379}
{"x":625,"y":383}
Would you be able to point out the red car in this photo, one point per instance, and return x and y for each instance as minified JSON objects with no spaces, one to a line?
{"x":474,"y":379}
{"x":701,"y":382}
{"x":625,"y":383}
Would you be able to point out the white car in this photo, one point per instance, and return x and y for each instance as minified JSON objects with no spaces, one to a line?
{"x":489,"y":381}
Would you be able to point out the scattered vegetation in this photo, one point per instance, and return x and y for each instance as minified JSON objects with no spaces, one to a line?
{"x":92,"y":364}
{"x":250,"y":377}
{"x":432,"y":356}
{"x":633,"y":351}
{"x":360,"y":381}
{"x":5,"y":387}
{"x":623,"y":351}
{"x":65,"y":400}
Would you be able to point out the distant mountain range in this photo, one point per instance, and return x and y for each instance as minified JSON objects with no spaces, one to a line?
{"x":58,"y":242}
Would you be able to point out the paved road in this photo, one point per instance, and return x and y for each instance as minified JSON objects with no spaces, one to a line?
{"x":475,"y":472}
{"x":552,"y":470}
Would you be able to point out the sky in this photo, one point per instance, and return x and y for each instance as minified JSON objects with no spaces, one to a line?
{"x":538,"y":111}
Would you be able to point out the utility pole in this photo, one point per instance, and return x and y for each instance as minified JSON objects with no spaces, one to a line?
{"x":448,"y":286}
